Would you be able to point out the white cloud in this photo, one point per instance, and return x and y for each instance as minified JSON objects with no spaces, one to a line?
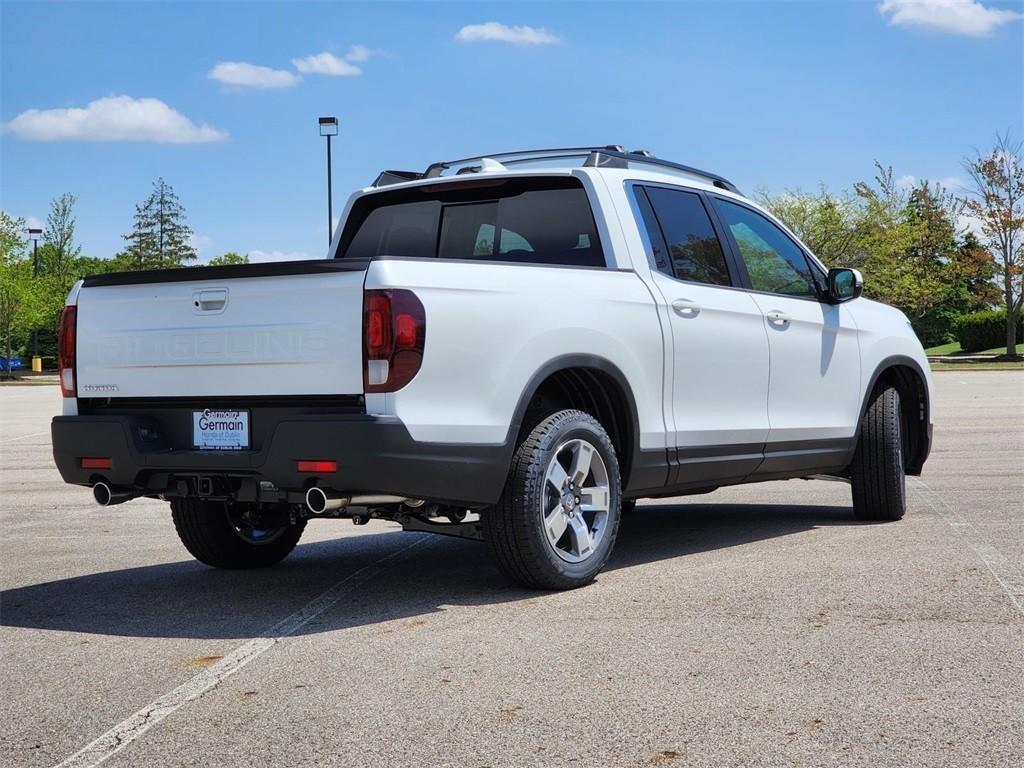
{"x":202,"y":244}
{"x":907,"y":182}
{"x":113,"y":118}
{"x":264,"y":256}
{"x":328,"y":64}
{"x":31,"y":222}
{"x":360,"y":53}
{"x":969,"y":223}
{"x":953,"y":184}
{"x":959,"y":17}
{"x":242,"y":74}
{"x":950,"y":183}
{"x":496,"y":31}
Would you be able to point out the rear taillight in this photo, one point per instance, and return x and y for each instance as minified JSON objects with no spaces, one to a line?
{"x":394,"y":328}
{"x":66,"y":351}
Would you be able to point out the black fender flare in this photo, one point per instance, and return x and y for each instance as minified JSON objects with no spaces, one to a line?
{"x":565,"y":362}
{"x":883,"y":365}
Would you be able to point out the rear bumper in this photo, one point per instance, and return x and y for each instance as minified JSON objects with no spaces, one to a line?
{"x":374,"y":454}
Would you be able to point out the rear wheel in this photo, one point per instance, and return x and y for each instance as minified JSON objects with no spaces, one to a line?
{"x":235,"y":536}
{"x":876,"y":474}
{"x":557,"y":519}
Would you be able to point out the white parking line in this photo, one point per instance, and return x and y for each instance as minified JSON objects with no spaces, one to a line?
{"x":1005,"y":572}
{"x":127,"y":731}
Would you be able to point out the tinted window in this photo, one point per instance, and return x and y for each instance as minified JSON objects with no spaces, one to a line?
{"x":774,"y":262}
{"x":467,"y":231}
{"x":552,"y":226}
{"x":537,"y":221}
{"x":693,"y":248}
{"x":659,"y":251}
{"x":409,"y":229}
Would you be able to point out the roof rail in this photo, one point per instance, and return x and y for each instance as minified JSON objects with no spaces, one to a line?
{"x":522,"y":156}
{"x":608,"y":156}
{"x":612,"y":159}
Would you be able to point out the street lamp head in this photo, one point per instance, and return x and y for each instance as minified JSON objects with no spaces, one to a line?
{"x":328,"y":126}
{"x":33,"y":232}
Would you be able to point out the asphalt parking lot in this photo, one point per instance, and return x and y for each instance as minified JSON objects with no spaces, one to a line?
{"x":754,"y":626}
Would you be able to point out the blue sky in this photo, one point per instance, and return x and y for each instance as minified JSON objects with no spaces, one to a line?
{"x":769,"y":94}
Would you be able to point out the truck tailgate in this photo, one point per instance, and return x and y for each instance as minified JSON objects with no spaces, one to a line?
{"x":293,"y":328}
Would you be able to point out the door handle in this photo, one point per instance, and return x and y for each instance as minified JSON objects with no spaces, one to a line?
{"x":210,"y":300}
{"x":780,"y":319}
{"x":686,"y":308}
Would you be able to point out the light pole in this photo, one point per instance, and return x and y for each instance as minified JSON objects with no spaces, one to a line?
{"x":328,"y":128}
{"x":33,"y":234}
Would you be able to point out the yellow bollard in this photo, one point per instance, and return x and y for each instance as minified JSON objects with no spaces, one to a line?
{"x":37,"y":364}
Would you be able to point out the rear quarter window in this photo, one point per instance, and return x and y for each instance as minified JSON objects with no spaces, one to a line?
{"x":542,"y":220}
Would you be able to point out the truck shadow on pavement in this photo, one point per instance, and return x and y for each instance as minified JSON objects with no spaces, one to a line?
{"x":189,"y":600}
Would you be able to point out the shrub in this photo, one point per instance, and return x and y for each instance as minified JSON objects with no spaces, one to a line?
{"x":984,"y":330}
{"x":936,"y":327}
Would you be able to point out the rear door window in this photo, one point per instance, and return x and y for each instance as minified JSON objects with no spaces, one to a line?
{"x":694,"y":251}
{"x":545,"y":220}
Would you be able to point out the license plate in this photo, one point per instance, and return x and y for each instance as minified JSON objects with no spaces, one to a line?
{"x":220,"y":430}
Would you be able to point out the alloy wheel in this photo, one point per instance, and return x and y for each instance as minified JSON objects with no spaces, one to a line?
{"x":576,"y":500}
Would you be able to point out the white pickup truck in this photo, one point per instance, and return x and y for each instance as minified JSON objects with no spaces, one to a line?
{"x":510,"y":348}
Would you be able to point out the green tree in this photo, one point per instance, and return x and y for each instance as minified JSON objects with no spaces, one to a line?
{"x":160,"y":236}
{"x":907,"y":242}
{"x":57,"y":256}
{"x":21,"y":308}
{"x":997,"y":203}
{"x":975,"y":278}
{"x":59,"y":240}
{"x":901,"y":264}
{"x":50,"y":291}
{"x":932,"y":214}
{"x":228,"y":258}
{"x":92,"y":265}
{"x":829,"y":224}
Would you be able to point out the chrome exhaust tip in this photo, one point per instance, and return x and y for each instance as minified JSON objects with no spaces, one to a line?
{"x":105,"y":496}
{"x":318,"y":502}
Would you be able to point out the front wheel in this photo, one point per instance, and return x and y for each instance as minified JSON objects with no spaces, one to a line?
{"x":558,"y":516}
{"x":877,"y":476}
{"x":236,"y":536}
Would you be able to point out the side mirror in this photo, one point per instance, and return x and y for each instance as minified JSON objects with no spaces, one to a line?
{"x":844,"y":285}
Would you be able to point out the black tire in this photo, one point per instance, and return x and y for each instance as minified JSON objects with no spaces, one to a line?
{"x":514,"y":528}
{"x":208,"y":533}
{"x":877,"y":477}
